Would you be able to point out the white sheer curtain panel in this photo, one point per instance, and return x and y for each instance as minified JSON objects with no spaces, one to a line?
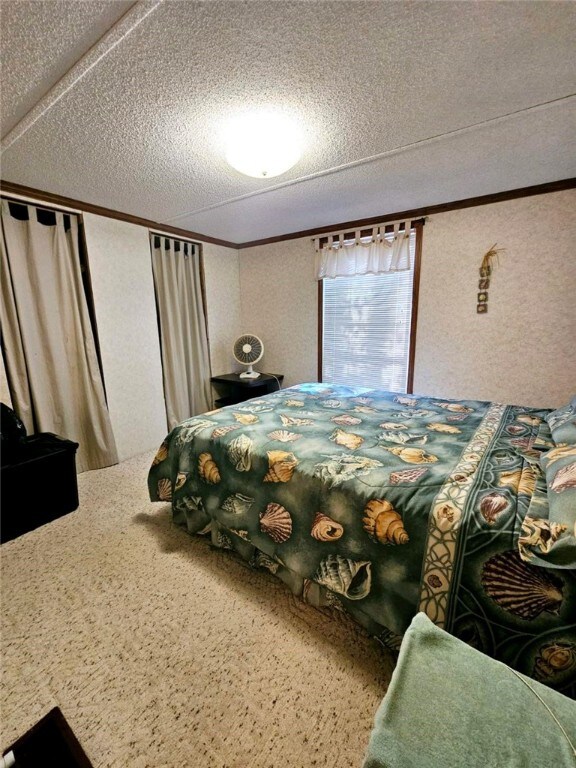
{"x":375,"y":254}
{"x":183,"y":335}
{"x":50,"y":354}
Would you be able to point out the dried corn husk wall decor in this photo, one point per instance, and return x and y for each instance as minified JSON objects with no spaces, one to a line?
{"x":484,"y":283}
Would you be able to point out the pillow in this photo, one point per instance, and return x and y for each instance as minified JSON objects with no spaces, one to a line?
{"x":563,"y":423}
{"x":548,"y":535}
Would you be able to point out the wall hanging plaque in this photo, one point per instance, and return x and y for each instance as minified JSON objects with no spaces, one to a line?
{"x":484,"y":283}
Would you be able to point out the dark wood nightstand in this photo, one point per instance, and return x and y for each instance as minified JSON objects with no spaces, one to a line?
{"x":232,"y":389}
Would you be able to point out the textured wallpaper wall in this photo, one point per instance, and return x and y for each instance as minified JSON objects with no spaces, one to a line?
{"x":522,"y":351}
{"x":222,"y":279}
{"x":279,"y":304}
{"x":121,"y":274}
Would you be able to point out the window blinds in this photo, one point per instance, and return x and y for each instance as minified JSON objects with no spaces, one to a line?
{"x":366,"y":328}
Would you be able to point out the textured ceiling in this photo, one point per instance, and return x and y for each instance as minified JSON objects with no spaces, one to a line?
{"x":40,"y":42}
{"x":402,"y":104}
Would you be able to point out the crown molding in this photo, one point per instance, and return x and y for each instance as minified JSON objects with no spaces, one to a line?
{"x":9,"y":187}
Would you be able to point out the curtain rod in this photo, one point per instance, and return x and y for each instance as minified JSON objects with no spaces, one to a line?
{"x":30,"y":201}
{"x":365,"y":227}
{"x":159,"y":233}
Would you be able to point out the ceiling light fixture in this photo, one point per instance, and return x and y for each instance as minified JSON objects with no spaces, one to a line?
{"x":262,"y":144}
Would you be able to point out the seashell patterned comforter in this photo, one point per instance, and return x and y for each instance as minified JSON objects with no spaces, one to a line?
{"x":383,"y":505}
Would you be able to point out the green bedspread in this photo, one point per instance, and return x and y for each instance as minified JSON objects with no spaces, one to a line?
{"x":383,"y":505}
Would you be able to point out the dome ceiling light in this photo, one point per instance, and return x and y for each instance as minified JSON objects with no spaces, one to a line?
{"x":262,"y":145}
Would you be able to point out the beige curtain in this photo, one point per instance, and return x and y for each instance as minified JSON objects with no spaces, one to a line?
{"x":375,"y":254}
{"x":5,"y":396}
{"x":49,"y":347}
{"x":183,"y":336}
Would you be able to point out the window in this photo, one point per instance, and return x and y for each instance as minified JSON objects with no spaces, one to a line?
{"x":366,"y":323}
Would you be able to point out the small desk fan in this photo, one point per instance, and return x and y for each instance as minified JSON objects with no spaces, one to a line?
{"x":248,"y":349}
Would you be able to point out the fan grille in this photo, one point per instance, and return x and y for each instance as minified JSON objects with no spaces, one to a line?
{"x":248,"y":349}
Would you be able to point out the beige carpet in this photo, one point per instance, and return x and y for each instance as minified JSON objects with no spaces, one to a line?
{"x":161,"y":651}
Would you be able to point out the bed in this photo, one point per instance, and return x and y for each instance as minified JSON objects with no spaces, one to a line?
{"x":383,"y":505}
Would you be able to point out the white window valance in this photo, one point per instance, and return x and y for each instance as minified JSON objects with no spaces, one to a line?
{"x":364,"y":254}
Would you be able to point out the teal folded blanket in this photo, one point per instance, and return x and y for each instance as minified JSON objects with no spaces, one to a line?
{"x":450,"y":706}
